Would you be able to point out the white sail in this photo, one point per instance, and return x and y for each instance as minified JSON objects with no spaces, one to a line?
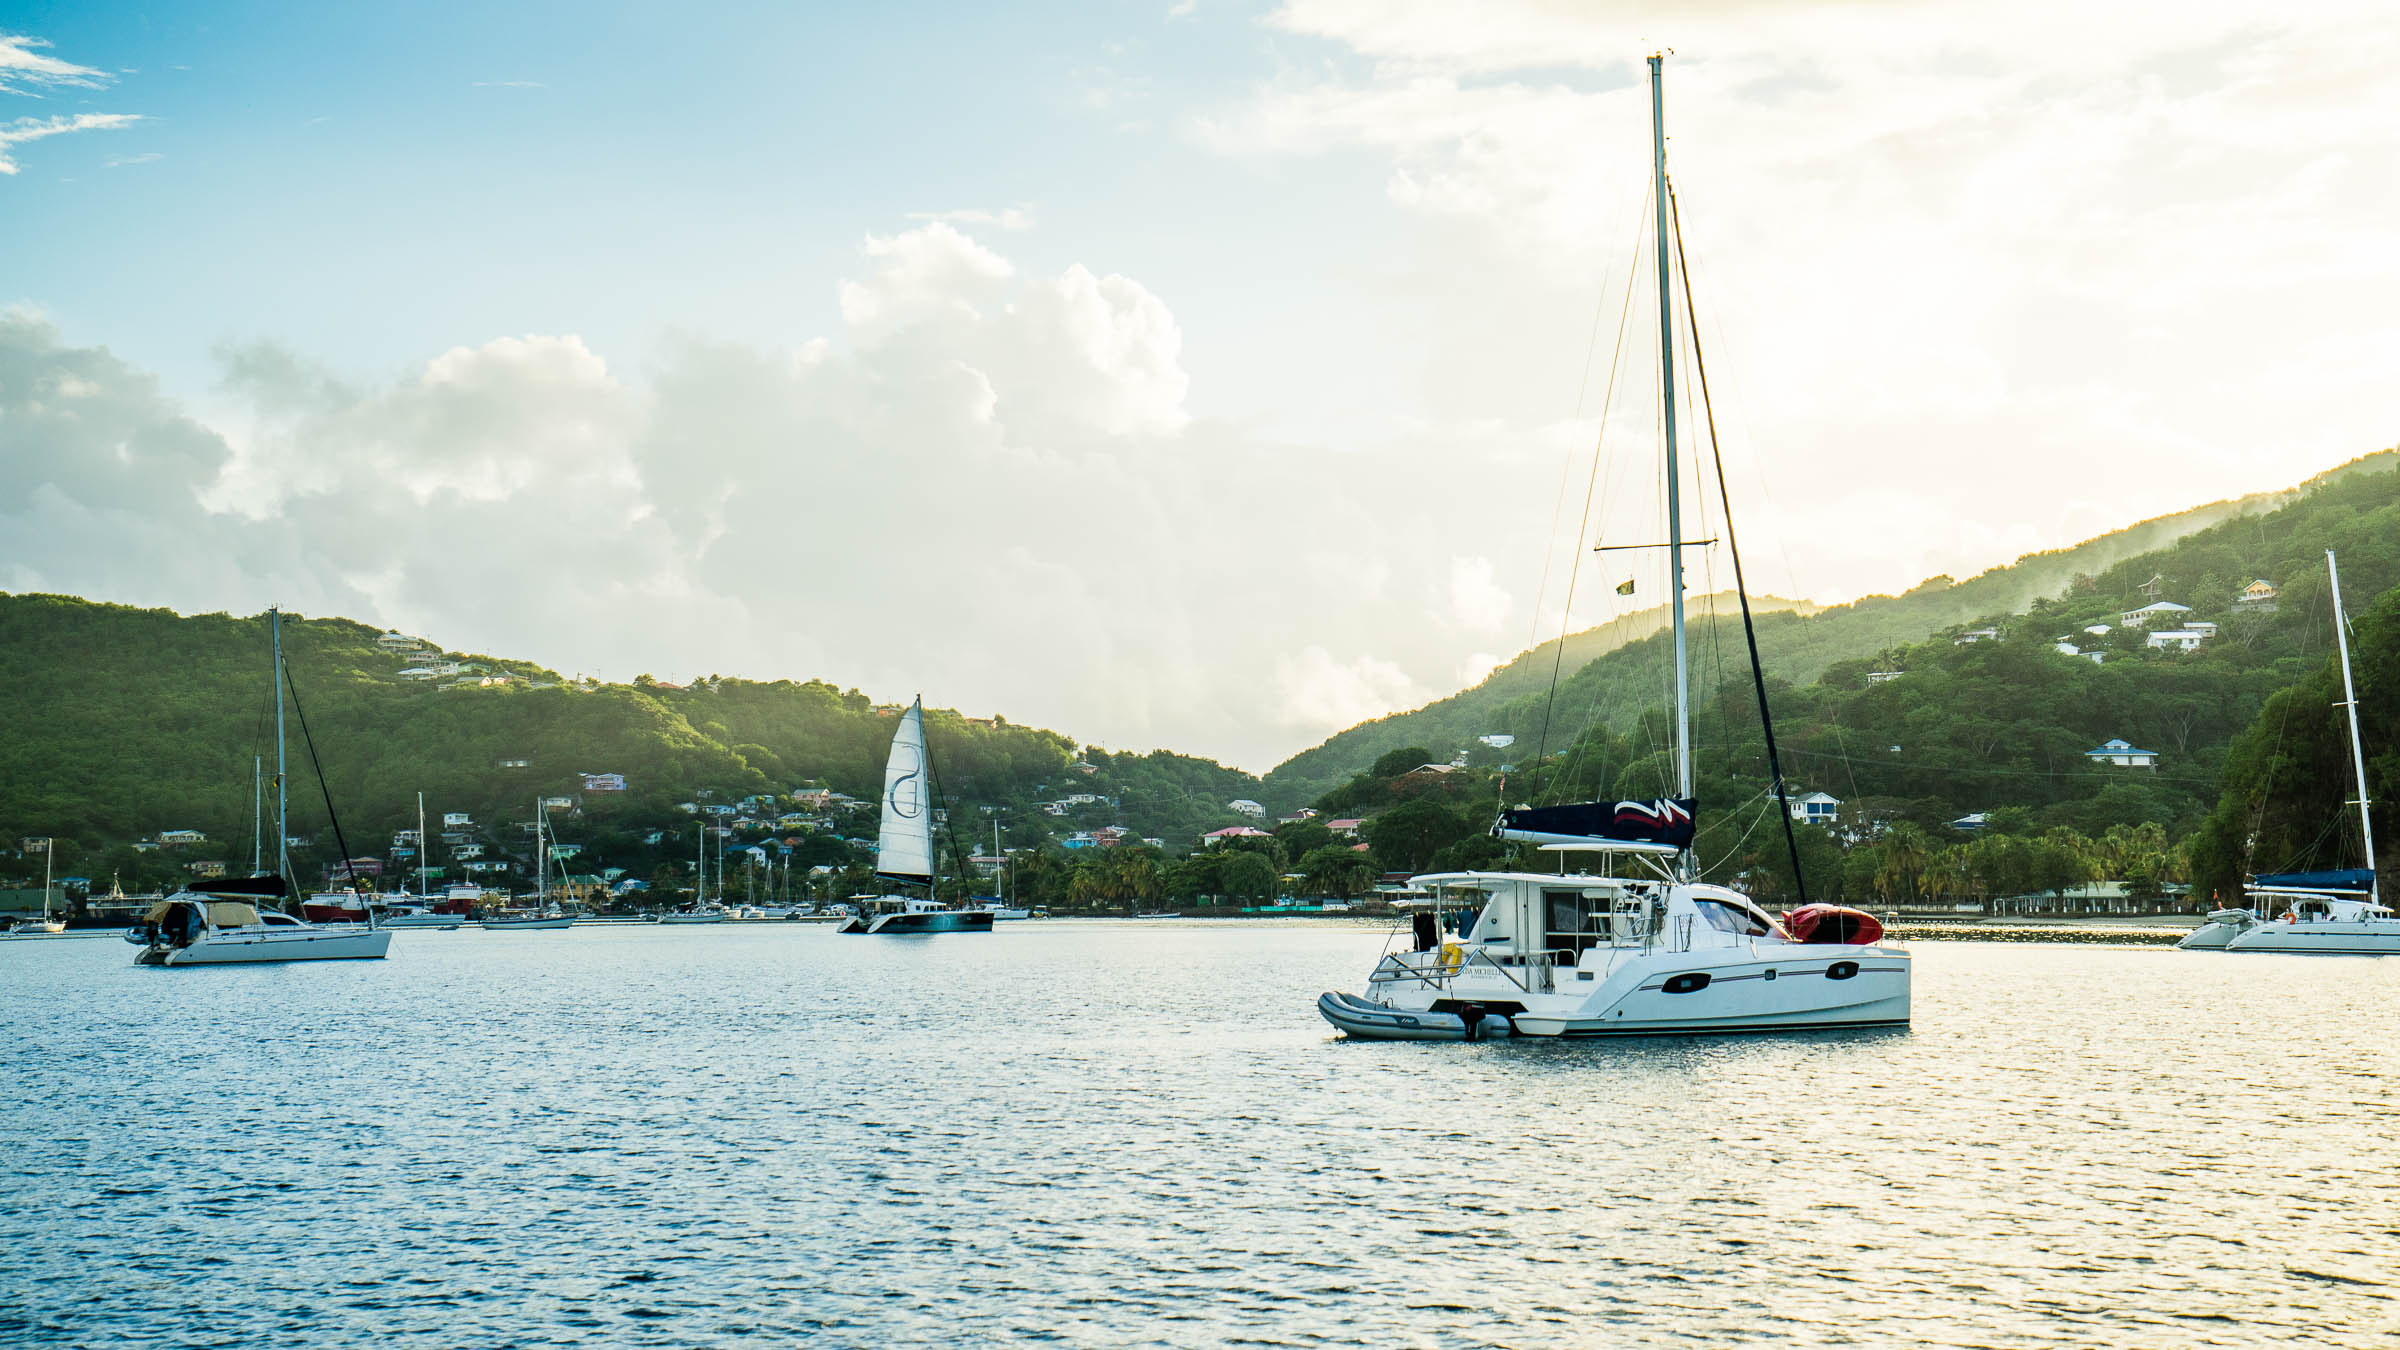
{"x":904,"y":850}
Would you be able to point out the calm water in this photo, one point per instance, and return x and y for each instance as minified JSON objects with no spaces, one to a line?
{"x":1140,"y":1134}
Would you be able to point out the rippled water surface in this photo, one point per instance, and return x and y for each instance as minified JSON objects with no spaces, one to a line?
{"x":1140,"y":1134}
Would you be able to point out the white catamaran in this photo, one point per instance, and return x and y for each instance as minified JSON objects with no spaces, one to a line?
{"x":904,"y":846}
{"x":210,"y":923}
{"x":1601,"y":954}
{"x":2332,"y":913}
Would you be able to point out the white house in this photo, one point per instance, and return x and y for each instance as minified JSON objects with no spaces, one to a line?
{"x":2147,"y":614}
{"x":180,"y":838}
{"x":604,"y":782}
{"x":2120,"y":753}
{"x":1884,"y":676}
{"x":1817,"y":808}
{"x":1498,"y":740}
{"x":1346,"y":828}
{"x":457,"y":820}
{"x":2177,"y":639}
{"x":1975,"y":635}
{"x":1304,"y":813}
{"x":1971,"y":823}
{"x":1247,"y":807}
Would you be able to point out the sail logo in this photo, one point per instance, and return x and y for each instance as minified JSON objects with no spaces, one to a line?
{"x":901,"y":796}
{"x":1659,"y":816}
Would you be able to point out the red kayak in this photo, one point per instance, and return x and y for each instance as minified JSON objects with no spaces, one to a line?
{"x":1832,"y":924}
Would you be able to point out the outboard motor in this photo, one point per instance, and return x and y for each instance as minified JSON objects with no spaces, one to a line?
{"x":1426,"y":927}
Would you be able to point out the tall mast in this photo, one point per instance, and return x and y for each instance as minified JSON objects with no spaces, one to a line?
{"x":258,"y":813}
{"x":2358,"y":757}
{"x":423,"y":853}
{"x":283,"y":814}
{"x":541,"y":858}
{"x":1666,"y":383}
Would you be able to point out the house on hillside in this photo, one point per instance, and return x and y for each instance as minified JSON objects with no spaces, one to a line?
{"x":2257,"y":598}
{"x":2152,"y":613}
{"x":604,"y":782}
{"x":2178,"y":639}
{"x":457,"y":820}
{"x":400,"y":643}
{"x":207,"y":870}
{"x":1970,"y":823}
{"x":2120,"y":753}
{"x":1304,"y":813}
{"x":1974,"y":635}
{"x":1817,"y":808}
{"x":178,"y":838}
{"x":513,"y":763}
{"x":1884,"y":676}
{"x":1498,"y":740}
{"x":1347,"y":827}
{"x":1229,"y":832}
{"x":1246,"y":807}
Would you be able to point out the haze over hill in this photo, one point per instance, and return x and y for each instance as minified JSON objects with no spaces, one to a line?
{"x":1512,"y":698}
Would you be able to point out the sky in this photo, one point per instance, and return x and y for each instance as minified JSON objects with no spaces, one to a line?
{"x":1200,"y":375}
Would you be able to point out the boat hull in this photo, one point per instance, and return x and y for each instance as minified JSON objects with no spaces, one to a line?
{"x":906,"y":924}
{"x":250,"y":947}
{"x":443,"y":921}
{"x":567,"y":922}
{"x":718,"y":917}
{"x":2219,"y":932}
{"x":2362,"y":937}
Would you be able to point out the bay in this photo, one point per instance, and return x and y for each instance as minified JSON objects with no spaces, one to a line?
{"x":1140,"y":1134}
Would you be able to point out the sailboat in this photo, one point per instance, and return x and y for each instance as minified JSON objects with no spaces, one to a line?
{"x":47,"y":925}
{"x":422,"y":913}
{"x":904,"y":846}
{"x":703,"y":910}
{"x":1644,"y":948}
{"x":2338,"y":912}
{"x":219,"y":922}
{"x":545,"y":914}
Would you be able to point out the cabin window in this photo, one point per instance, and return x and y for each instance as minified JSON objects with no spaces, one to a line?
{"x":1686,"y":984}
{"x":1574,"y":923}
{"x":1841,"y":970}
{"x":1729,"y":918}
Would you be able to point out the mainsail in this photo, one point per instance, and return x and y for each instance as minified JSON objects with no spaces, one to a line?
{"x":904,"y":849}
{"x":1664,"y":825}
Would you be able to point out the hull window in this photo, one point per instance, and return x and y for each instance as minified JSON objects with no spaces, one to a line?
{"x":1841,"y":970}
{"x":1687,"y":983}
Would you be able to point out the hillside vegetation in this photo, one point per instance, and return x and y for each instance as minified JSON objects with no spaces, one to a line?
{"x":1512,"y":699}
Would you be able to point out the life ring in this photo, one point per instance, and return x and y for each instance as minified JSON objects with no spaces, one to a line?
{"x":1453,"y":957}
{"x":2290,"y":917}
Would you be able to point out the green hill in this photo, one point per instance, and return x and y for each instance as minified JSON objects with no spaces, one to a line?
{"x":1614,"y":674}
{"x":127,"y":722}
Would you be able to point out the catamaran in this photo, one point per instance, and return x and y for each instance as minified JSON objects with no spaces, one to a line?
{"x":2331,"y":913}
{"x":904,"y":846}
{"x":1643,"y":947}
{"x":218,"y":922}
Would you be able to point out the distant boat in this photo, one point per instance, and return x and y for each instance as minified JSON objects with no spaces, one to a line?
{"x":47,"y":926}
{"x":2337,"y":913}
{"x":545,"y":915}
{"x":703,"y":910}
{"x":219,"y":922}
{"x":904,"y":847}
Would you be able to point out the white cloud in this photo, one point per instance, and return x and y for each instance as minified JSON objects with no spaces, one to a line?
{"x":35,"y":128}
{"x":1477,"y":603}
{"x":25,"y":68}
{"x":1315,"y":688}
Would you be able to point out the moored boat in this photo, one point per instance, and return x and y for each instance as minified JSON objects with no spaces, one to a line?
{"x":904,"y":848}
{"x":1640,"y":946}
{"x":220,"y":923}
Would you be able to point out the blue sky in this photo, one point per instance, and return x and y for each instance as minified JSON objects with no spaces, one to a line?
{"x":1188,"y":374}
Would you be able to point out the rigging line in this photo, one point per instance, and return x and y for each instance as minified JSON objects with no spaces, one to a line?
{"x":1575,"y":571}
{"x":1758,"y":675}
{"x":322,"y":788}
{"x":1567,"y":464}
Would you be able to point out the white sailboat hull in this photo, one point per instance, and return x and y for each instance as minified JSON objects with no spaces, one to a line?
{"x":445,"y":921}
{"x":704,"y":916}
{"x":2323,"y":937}
{"x":252,"y":946}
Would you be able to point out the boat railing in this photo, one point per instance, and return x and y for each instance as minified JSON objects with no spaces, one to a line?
{"x":1435,"y":970}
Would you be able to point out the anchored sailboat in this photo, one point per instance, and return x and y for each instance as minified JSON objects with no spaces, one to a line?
{"x":219,"y":922}
{"x":904,"y":846}
{"x":2338,"y":912}
{"x":1585,"y":954}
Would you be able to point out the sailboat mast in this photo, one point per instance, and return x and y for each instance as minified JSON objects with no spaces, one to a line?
{"x":2358,"y":756}
{"x":541,"y":858}
{"x":1666,"y":379}
{"x":422,"y":852}
{"x":283,"y":804}
{"x":258,"y":813}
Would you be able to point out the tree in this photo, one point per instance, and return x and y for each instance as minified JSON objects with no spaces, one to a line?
{"x":1406,"y":837}
{"x":1393,"y":763}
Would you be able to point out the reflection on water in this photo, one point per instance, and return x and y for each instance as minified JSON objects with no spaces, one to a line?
{"x":1140,"y":1134}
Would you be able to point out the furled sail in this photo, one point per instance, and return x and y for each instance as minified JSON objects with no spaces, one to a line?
{"x":904,"y":849}
{"x":1662,"y":825}
{"x":2353,"y":880}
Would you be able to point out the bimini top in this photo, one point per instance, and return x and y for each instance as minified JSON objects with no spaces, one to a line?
{"x":1555,"y":880}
